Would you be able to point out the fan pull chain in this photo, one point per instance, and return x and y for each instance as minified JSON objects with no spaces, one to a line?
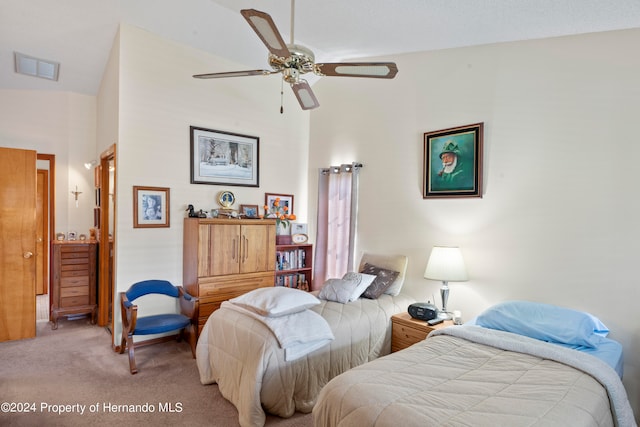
{"x":281,"y":96}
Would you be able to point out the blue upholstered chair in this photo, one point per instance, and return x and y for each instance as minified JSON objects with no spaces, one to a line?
{"x":182,"y":324}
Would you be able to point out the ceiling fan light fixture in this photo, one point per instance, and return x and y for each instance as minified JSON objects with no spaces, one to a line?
{"x":291,"y":75}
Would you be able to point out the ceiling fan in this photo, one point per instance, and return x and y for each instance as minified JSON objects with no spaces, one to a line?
{"x":293,"y":60}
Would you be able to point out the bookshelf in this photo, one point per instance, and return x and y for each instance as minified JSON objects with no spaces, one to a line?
{"x":294,"y":266}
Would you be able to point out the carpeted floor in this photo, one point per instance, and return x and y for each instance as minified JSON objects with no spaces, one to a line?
{"x":75,"y":366}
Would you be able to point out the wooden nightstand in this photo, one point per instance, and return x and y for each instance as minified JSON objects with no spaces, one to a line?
{"x":407,"y":331}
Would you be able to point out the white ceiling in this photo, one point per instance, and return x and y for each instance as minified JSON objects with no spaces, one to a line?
{"x":79,"y":33}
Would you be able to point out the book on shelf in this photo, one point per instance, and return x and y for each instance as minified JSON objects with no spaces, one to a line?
{"x":294,"y":280}
{"x":291,"y":259}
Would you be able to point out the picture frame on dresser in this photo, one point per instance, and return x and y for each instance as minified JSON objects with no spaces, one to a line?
{"x":249,"y":211}
{"x":150,"y":207}
{"x":298,"y":228}
{"x":285,"y":200}
{"x":224,"y":158}
{"x":452,"y":163}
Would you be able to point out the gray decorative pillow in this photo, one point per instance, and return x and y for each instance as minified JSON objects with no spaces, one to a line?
{"x":347,"y":289}
{"x":384,"y":279}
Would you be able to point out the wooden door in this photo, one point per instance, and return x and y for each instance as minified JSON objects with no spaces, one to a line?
{"x":18,"y":244}
{"x":202,"y":257}
{"x":224,"y":249}
{"x":257,"y":248}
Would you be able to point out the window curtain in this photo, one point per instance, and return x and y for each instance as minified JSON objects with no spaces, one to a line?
{"x":337,"y":217}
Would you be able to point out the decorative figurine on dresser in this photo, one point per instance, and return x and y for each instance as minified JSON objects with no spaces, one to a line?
{"x":73,"y":279}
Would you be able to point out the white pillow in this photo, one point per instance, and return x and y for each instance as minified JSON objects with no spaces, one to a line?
{"x":276,"y":301}
{"x":347,"y":289}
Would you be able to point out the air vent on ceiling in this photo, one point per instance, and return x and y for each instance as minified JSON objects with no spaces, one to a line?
{"x":36,"y":67}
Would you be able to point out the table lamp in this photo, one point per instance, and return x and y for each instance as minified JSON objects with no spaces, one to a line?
{"x":446,"y":264}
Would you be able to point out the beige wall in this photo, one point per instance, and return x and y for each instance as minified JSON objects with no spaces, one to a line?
{"x":57,"y":123}
{"x":558,"y":220}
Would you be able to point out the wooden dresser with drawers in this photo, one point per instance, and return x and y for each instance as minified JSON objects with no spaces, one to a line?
{"x":73,"y":279}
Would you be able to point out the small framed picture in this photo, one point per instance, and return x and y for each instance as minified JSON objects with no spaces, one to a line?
{"x":298,"y":228}
{"x":453,"y":162}
{"x":284,"y":200}
{"x":71,"y":235}
{"x":249,"y":211}
{"x":150,"y":207}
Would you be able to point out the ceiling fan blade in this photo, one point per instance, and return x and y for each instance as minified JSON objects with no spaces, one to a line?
{"x":306,"y":98}
{"x":380,"y":70}
{"x":266,"y":29}
{"x":233,"y":74}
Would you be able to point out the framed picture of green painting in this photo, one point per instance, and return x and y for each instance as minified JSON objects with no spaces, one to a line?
{"x":453,"y":162}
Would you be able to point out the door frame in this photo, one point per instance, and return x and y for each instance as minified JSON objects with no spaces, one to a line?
{"x":42,"y":240}
{"x":51,"y":158}
{"x":106,"y":270}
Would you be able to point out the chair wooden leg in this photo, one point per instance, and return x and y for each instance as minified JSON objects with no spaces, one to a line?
{"x":132,"y":357}
{"x":123,"y":344}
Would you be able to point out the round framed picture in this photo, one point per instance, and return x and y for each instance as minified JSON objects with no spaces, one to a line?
{"x":226,"y":199}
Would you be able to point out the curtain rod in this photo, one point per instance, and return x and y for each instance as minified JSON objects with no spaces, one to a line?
{"x":347,"y":167}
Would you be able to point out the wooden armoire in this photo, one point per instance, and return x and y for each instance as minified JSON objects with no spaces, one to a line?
{"x":225,"y":258}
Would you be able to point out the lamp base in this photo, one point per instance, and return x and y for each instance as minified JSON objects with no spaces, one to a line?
{"x":444,"y":315}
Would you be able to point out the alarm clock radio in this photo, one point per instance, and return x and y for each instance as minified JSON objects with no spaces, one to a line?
{"x":423,"y":311}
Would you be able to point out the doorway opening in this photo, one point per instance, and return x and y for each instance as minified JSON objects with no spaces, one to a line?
{"x":105,"y":222}
{"x":45,"y":226}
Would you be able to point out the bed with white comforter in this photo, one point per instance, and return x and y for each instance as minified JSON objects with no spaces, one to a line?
{"x":239,"y":352}
{"x":478,"y":376}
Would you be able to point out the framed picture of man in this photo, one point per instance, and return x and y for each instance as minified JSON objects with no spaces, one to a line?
{"x":453,"y":162}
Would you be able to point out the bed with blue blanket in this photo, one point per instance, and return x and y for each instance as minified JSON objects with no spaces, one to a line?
{"x":518,"y":364}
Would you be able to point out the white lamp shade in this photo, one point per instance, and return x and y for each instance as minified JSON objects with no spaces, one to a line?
{"x":446,"y":264}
